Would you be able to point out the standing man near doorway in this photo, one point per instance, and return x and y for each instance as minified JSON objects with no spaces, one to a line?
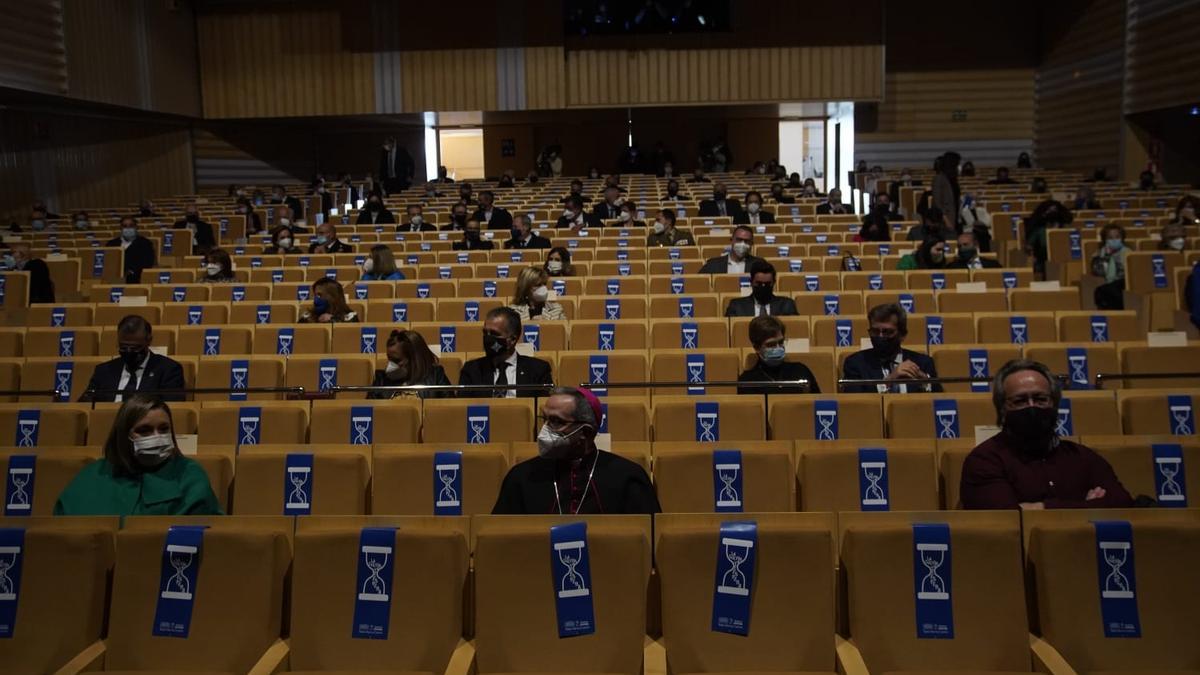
{"x":395,"y":166}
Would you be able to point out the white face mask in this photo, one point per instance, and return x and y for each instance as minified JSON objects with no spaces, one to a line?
{"x":368,"y":266}
{"x":212,"y":269}
{"x":753,"y":207}
{"x":152,"y":450}
{"x":626,"y":216}
{"x":568,"y":214}
{"x":417,"y":219}
{"x":1176,"y":243}
{"x":540,"y":294}
{"x":285,"y":242}
{"x":285,"y":222}
{"x":659,"y":228}
{"x":554,"y":445}
{"x":741,"y":248}
{"x":554,"y":265}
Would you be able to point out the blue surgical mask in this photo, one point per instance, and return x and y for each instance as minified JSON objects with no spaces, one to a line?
{"x":38,"y":225}
{"x":9,"y":262}
{"x":320,"y":305}
{"x":773,"y":356}
{"x":128,"y":233}
{"x":322,"y":239}
{"x":81,"y":224}
{"x":1114,"y":244}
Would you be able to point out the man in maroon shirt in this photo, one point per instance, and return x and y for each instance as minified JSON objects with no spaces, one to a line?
{"x":1026,"y":465}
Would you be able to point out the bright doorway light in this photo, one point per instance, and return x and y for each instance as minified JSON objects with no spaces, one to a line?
{"x":462,"y":153}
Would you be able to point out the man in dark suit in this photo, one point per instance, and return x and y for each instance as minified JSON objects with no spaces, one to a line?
{"x":576,"y":191}
{"x":574,"y":218}
{"x":472,"y":240}
{"x":501,"y":364}
{"x":887,"y":359}
{"x":327,"y":241}
{"x":495,"y":217}
{"x":754,"y":215}
{"x":968,"y":255}
{"x":139,"y":252}
{"x":833,"y":205}
{"x":395,"y":166}
{"x":443,"y":176}
{"x":523,"y":236}
{"x":416,"y":221}
{"x":719,"y":205}
{"x":762,"y":299}
{"x":610,"y":208}
{"x":137,"y":369}
{"x":278,"y":196}
{"x":375,"y":213}
{"x":202,"y":233}
{"x":738,"y":260}
{"x":779,"y":196}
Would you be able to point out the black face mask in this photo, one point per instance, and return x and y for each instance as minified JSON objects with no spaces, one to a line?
{"x":1032,"y":426}
{"x":763,"y":294}
{"x":494,"y":345}
{"x":191,"y":217}
{"x":132,"y":359}
{"x":886,"y":347}
{"x":460,"y":218}
{"x":472,"y":235}
{"x":375,"y":206}
{"x":718,"y":196}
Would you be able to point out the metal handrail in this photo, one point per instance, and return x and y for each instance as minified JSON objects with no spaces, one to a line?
{"x":769,"y":384}
{"x":89,"y":395}
{"x":417,"y":388}
{"x":1122,"y":377}
{"x":928,"y":380}
{"x":53,"y":393}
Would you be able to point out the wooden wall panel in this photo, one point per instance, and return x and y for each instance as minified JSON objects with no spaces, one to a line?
{"x":1163,"y":59}
{"x":32,"y":54}
{"x":545,"y":75}
{"x":920,"y":106}
{"x":448,"y":80}
{"x":281,"y":60}
{"x":74,"y":161}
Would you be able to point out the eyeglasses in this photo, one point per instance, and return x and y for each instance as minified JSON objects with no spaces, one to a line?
{"x":874,"y":332}
{"x":556,"y":423}
{"x":1026,"y":400}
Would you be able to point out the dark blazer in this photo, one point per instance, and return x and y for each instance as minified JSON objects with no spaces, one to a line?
{"x":203,"y":239}
{"x":138,"y":257}
{"x":385,"y":217}
{"x":602,"y":211}
{"x":337,"y":246}
{"x":529,"y":371}
{"x":589,"y":221}
{"x":501,"y":219}
{"x":402,"y":165}
{"x":709,"y":208}
{"x":437,"y":376}
{"x":987,"y":263}
{"x":743,"y":218}
{"x":865,"y":365}
{"x":535,"y":241}
{"x":293,"y":204}
{"x":824,"y":208}
{"x":783,"y":199}
{"x":477,"y":245}
{"x":787,"y":370}
{"x":780,"y":306}
{"x":408,"y":227}
{"x":161,"y":373}
{"x":41,"y":284}
{"x":720,"y":265}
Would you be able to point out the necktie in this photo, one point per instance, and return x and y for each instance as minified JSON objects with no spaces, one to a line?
{"x":131,"y":385}
{"x":721,"y":207}
{"x":501,"y":378}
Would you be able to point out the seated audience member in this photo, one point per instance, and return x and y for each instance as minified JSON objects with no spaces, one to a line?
{"x":666,"y":234}
{"x":558,"y":263}
{"x":571,"y":475}
{"x":507,"y":179}
{"x":809,"y":189}
{"x":253,"y":220}
{"x":833,"y":204}
{"x":283,"y":242}
{"x":466,"y":195}
{"x":410,"y":362}
{"x":81,"y":220}
{"x":142,"y":473}
{"x":472,"y":239}
{"x":1146,"y":181}
{"x":416,"y":220}
{"x":501,"y":364}
{"x":19,"y":257}
{"x":933,"y":226}
{"x":968,"y":255}
{"x":40,"y":205}
{"x":1109,"y":264}
{"x":1047,"y":215}
{"x":489,"y":215}
{"x":754,"y":214}
{"x":968,"y":169}
{"x":328,"y":304}
{"x":672,"y":191}
{"x":431,"y":191}
{"x":1023,"y":161}
{"x":628,"y":215}
{"x":139,"y":251}
{"x":1174,"y":238}
{"x":698,"y":176}
{"x":930,"y":255}
{"x":523,"y":235}
{"x":327,"y":241}
{"x":458,"y":218}
{"x":875,"y":227}
{"x":738,"y":260}
{"x":1185,"y":211}
{"x":218,"y":267}
{"x":1026,"y":465}
{"x":779,"y":196}
{"x":883,"y":207}
{"x":381,"y":265}
{"x":576,"y":191}
{"x":1039,"y":186}
{"x":202,"y":232}
{"x":610,"y":208}
{"x":887,"y":359}
{"x":574,"y":218}
{"x":530,"y":299}
{"x":442,"y":176}
{"x":136,"y":369}
{"x":719,"y":205}
{"x":768,"y":335}
{"x":762,"y":299}
{"x":146,"y":209}
{"x":278,"y":196}
{"x":375,"y":213}
{"x":1002,"y":177}
{"x":1085,"y":198}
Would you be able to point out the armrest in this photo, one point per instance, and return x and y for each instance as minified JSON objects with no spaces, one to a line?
{"x":273,"y":660}
{"x":462,"y":661}
{"x":849,"y":659}
{"x":654,"y":657}
{"x":1046,"y":658}
{"x":91,"y":658}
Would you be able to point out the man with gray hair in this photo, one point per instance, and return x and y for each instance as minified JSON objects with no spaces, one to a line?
{"x":571,"y":475}
{"x":1027,"y":465}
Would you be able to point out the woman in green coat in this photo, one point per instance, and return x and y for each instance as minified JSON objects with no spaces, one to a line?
{"x":142,"y":472}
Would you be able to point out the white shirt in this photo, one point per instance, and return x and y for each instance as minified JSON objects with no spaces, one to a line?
{"x":141,"y":371}
{"x":125,"y":244}
{"x":510,"y":368}
{"x":762,"y":310}
{"x":736,"y":266}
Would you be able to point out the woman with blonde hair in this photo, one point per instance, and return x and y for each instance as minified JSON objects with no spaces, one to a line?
{"x":530,"y":300}
{"x":328,"y":304}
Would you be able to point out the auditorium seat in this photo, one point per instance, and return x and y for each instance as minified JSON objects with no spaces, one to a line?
{"x":986,"y":301}
{"x":466,"y":310}
{"x":164,"y":338}
{"x":218,"y":462}
{"x":848,"y":304}
{"x":685,"y":365}
{"x":66,"y":562}
{"x":238,"y":599}
{"x":320,"y":372}
{"x":606,"y":335}
{"x":827,"y":331}
{"x":211,"y":341}
{"x":1141,"y":358}
{"x":240,"y":293}
{"x":336,"y":485}
{"x":1062,"y":556}
{"x":937,"y":280}
{"x":700,"y":333}
{"x":400,"y":310}
{"x":1016,"y":328}
{"x":952,"y":452}
{"x":1061,"y":358}
{"x":1030,"y":300}
{"x":928,"y":331}
{"x":405,"y":481}
{"x":989,"y":620}
{"x":366,"y":422}
{"x":274,"y":312}
{"x":429,"y":572}
{"x":709,"y":418}
{"x":1090,"y":326}
{"x":67,"y":374}
{"x":625,"y":418}
{"x":1134,"y":461}
{"x":28,"y":425}
{"x":287,"y":340}
{"x":10,"y":379}
{"x":1159,"y":411}
{"x":67,"y":315}
{"x":971,"y":360}
{"x":791,"y":619}
{"x":253,"y":422}
{"x":224,"y":372}
{"x":606,"y":285}
{"x":110,"y":315}
{"x":611,"y":308}
{"x":451,"y":336}
{"x":195,"y":314}
{"x":184,"y":414}
{"x":836,"y":479}
{"x":182,"y":292}
{"x":485,"y":420}
{"x":1088,"y":412}
{"x":638,"y":452}
{"x":686,"y":478}
{"x":827,"y":417}
{"x":921,"y":301}
{"x":598,"y":368}
{"x":515,"y":626}
{"x":686,"y":305}
{"x":63,"y":343}
{"x":937,"y":415}
{"x":53,"y":468}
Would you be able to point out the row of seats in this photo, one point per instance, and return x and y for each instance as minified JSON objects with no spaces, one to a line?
{"x":772,"y":476}
{"x":710,"y":417}
{"x":1008,"y":591}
